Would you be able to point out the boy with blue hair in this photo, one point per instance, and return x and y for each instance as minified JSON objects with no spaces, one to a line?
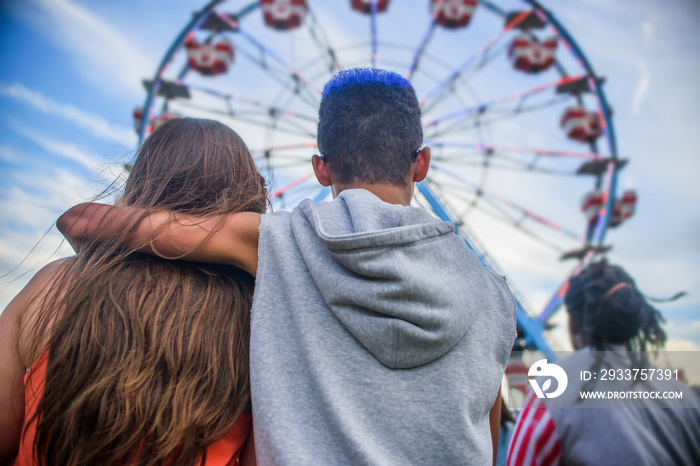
{"x":377,"y":336}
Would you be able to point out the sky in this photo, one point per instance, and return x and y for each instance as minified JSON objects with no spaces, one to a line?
{"x":71,"y":78}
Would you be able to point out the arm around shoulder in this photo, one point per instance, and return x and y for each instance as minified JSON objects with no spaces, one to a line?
{"x":231,"y":239}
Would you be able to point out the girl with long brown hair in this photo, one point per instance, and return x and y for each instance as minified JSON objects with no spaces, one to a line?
{"x":133,"y":359}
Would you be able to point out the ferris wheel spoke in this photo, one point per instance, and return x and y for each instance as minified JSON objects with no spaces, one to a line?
{"x":421,"y":48}
{"x":504,"y":217}
{"x":373,"y":27}
{"x":464,"y":78}
{"x":295,"y":158}
{"x":515,"y":149}
{"x":294,"y":131}
{"x":510,"y":97}
{"x":531,"y":169}
{"x":295,"y":195}
{"x":271,"y":109}
{"x":284,"y":147}
{"x":496,"y":115}
{"x":262,"y":47}
{"x":282,"y":77}
{"x":510,"y":203}
{"x":424,"y":42}
{"x":318,"y":34}
{"x":460,"y":69}
{"x":293,"y":184}
{"x":515,"y":164}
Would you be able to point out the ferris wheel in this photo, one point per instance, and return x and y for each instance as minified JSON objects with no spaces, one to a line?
{"x":524,"y":153}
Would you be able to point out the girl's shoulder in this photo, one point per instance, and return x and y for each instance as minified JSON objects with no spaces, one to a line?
{"x":30,"y":304}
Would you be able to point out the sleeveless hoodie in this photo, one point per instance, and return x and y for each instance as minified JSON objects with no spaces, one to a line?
{"x":377,"y":337}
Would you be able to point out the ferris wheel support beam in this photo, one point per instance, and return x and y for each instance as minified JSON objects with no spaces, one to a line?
{"x":321,"y":195}
{"x":455,"y":74}
{"x":421,"y":48}
{"x":426,"y":37}
{"x":494,"y":8}
{"x":532,"y":329}
{"x":608,"y":129}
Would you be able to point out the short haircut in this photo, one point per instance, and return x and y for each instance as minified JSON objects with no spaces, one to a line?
{"x":369,"y":127}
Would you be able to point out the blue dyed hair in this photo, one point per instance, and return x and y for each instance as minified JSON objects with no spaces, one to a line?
{"x":364,"y":76}
{"x":369,"y":127}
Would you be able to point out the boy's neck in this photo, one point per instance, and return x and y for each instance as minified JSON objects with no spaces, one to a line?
{"x":389,"y":193}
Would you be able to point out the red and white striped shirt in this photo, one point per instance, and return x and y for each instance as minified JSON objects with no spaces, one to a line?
{"x":535,"y":441}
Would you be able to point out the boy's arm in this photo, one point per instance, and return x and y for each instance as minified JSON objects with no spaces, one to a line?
{"x":231,"y":240}
{"x":495,"y":422}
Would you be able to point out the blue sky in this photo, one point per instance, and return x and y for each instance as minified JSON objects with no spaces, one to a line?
{"x":71,"y":79}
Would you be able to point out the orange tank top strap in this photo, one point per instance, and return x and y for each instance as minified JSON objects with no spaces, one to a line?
{"x":33,"y":389}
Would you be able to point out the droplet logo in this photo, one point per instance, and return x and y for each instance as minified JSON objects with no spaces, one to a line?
{"x":542,"y":368}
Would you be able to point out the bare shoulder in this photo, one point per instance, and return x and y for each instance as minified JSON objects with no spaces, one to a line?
{"x":29,"y":301}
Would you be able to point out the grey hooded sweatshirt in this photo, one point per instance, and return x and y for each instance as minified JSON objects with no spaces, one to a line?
{"x":377,"y":337}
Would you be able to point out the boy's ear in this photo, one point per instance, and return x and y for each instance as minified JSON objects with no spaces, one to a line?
{"x":422,"y":164}
{"x":321,"y":170}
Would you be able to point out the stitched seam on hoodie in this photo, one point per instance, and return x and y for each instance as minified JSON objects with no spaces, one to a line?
{"x":406,"y":244}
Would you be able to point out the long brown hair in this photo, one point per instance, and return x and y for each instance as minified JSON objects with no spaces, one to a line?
{"x":148,"y":358}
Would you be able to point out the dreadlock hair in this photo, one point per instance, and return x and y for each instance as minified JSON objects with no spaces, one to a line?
{"x":604,"y":300}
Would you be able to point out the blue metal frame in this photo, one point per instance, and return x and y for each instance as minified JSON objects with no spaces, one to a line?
{"x":321,"y":195}
{"x":604,"y":219}
{"x":532,"y":329}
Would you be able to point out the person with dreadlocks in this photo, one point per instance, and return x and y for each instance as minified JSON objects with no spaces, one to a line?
{"x":611,"y":325}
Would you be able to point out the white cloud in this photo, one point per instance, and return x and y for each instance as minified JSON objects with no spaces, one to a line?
{"x":7,"y":154}
{"x":97,"y":125}
{"x":681,"y":335}
{"x":66,"y":150}
{"x":105,"y":55}
{"x":648,"y":31}
{"x":642,"y":89}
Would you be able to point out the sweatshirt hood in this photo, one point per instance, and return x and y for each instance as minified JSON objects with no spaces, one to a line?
{"x":399,"y":280}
